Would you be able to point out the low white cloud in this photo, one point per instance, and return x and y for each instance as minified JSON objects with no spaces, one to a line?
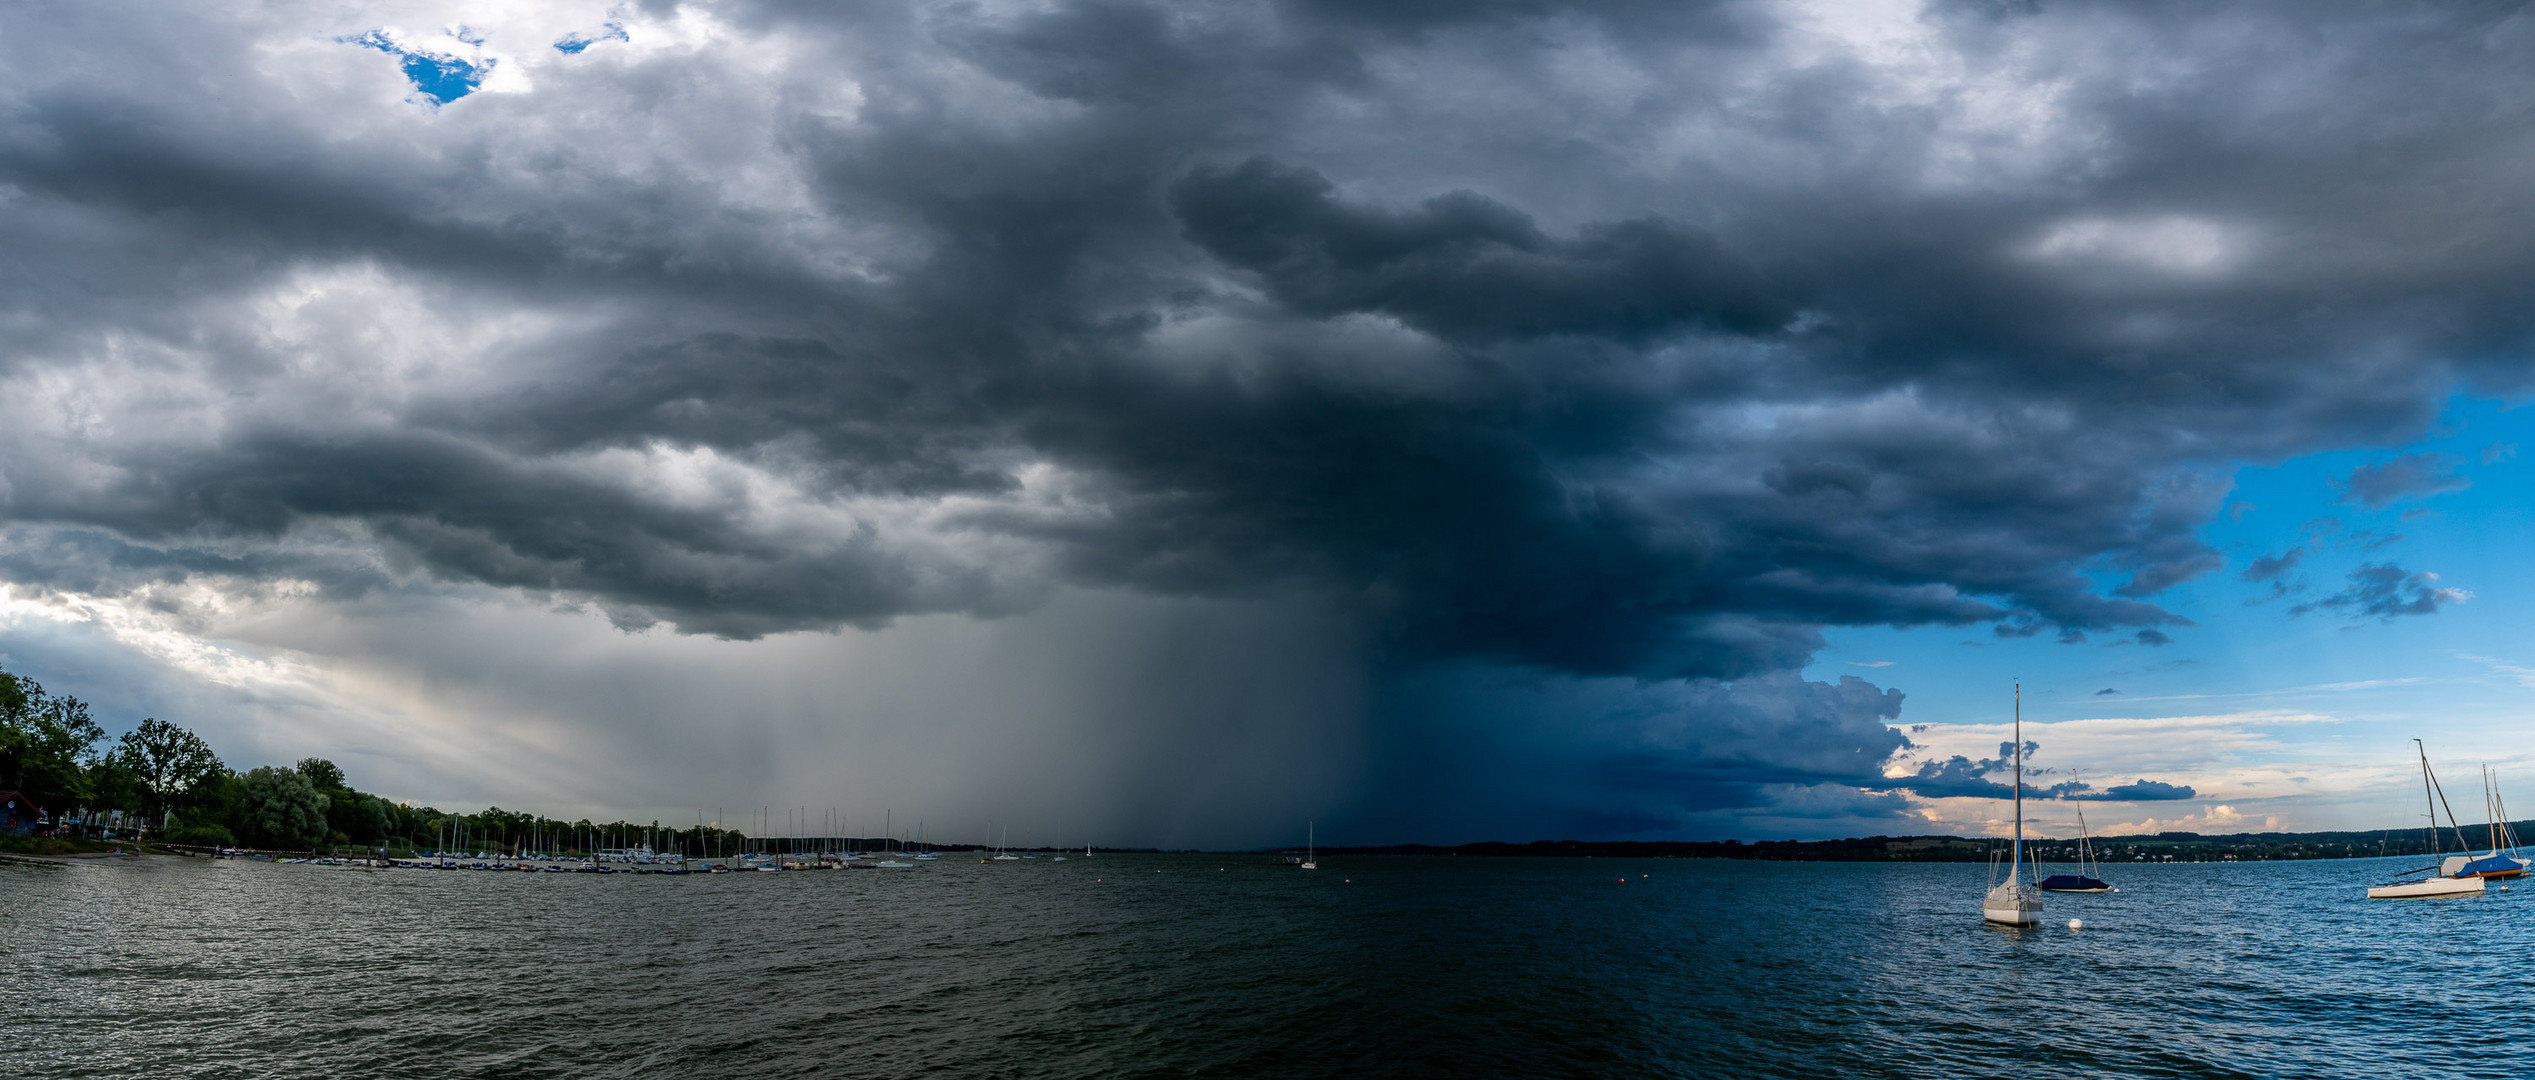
{"x":2171,"y":244}
{"x":2216,"y":819}
{"x":2198,"y":751}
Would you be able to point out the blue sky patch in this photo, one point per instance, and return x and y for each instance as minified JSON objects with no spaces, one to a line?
{"x":573,"y":44}
{"x":438,"y":76}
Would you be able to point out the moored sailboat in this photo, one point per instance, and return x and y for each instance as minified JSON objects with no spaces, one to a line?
{"x":2437,"y":883}
{"x":2084,"y":880}
{"x":2490,"y":864}
{"x":2015,"y":903}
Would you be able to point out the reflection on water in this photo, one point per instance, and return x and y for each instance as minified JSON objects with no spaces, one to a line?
{"x":1233,"y":966}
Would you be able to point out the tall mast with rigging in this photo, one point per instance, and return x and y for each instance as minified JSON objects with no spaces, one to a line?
{"x":2015,"y":869}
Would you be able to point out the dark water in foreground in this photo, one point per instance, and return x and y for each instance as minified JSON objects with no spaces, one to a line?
{"x":1218,"y":966}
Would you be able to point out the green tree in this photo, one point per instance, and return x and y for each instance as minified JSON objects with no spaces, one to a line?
{"x":165,"y":762}
{"x":220,"y":799}
{"x":323,"y":773}
{"x":280,"y":808}
{"x":108,"y":784}
{"x":362,"y":819}
{"x":46,"y":744}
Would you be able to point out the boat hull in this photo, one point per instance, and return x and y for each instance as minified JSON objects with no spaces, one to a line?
{"x":2073,"y":883}
{"x":2011,"y":905}
{"x":2493,"y":865}
{"x":2431,"y":888}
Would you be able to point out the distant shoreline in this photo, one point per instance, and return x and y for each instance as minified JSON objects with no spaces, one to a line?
{"x":2158,"y":847}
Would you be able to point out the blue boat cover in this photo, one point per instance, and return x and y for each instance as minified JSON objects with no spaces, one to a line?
{"x":2494,"y":864}
{"x":2072,"y":881}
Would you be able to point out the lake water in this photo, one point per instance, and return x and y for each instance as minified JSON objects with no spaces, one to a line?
{"x":1181,"y":965}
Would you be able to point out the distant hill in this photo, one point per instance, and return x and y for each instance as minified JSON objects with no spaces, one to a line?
{"x":2159,"y":847}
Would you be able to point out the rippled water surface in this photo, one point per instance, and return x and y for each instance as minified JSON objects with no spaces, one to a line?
{"x":1177,"y":965}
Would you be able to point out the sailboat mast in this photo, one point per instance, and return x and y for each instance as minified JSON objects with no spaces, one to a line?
{"x":2085,"y":839}
{"x":2489,"y":812}
{"x":2016,"y":868}
{"x":2427,"y":797}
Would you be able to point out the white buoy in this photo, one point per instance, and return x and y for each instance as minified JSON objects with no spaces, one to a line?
{"x":2073,"y":924}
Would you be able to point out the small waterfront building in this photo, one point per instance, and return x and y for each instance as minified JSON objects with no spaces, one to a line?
{"x":18,"y":817}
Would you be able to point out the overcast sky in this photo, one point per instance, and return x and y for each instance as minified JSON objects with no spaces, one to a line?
{"x":1173,"y":423}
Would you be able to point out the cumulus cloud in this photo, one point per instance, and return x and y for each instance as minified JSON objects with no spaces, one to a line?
{"x":2216,"y":819}
{"x":2411,"y":476}
{"x":2144,"y":791}
{"x":2273,"y":567}
{"x":1958,"y":776}
{"x":1634,"y":343}
{"x":2384,"y":590}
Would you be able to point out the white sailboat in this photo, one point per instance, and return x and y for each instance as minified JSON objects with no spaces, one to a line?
{"x":2490,"y":864}
{"x":1311,"y":836}
{"x":2436,"y":884}
{"x":2015,"y":903}
{"x":925,"y":852}
{"x":1000,"y":854}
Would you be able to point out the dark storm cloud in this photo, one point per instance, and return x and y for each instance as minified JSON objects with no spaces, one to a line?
{"x":1482,"y":752}
{"x":1958,"y":777}
{"x":1612,"y":340}
{"x":1465,"y":267}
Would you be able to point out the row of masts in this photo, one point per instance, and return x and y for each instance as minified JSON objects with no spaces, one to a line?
{"x":457,"y":834}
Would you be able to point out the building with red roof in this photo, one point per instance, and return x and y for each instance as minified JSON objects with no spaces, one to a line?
{"x":19,"y":816}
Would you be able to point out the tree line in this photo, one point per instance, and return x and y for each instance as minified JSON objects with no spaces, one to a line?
{"x":57,"y":756}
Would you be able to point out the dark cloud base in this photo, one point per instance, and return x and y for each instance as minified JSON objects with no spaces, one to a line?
{"x":1286,"y":297}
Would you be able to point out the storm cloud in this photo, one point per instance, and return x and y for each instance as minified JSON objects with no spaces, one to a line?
{"x":1582,"y":343}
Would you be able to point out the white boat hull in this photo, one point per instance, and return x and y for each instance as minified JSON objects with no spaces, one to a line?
{"x":2437,"y":886}
{"x":2012,"y":905}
